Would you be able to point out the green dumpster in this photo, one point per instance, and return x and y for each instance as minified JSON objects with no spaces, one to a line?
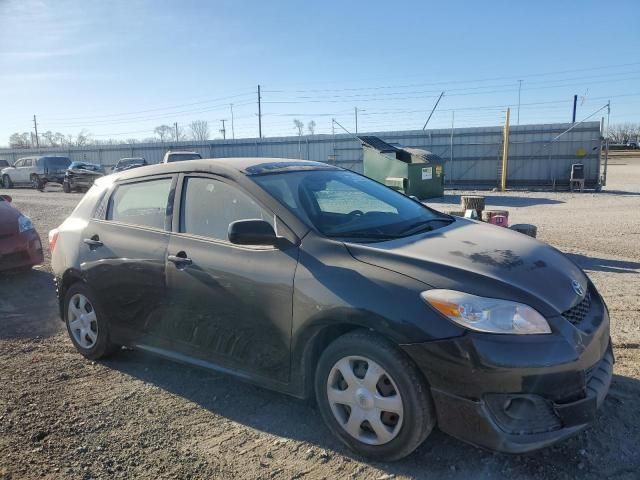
{"x":412,"y":171}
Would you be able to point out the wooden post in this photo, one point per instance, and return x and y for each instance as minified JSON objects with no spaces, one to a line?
{"x":505,"y":154}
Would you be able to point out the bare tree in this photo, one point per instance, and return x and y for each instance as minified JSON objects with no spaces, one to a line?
{"x":311,"y":126}
{"x":624,"y":132}
{"x":131,"y":141}
{"x":49,"y":138}
{"x":83,"y":138}
{"x":199,"y":130}
{"x":298,"y":126}
{"x":20,"y":140}
{"x":164,"y":132}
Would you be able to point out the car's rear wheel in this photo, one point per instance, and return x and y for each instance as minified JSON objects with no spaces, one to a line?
{"x":372,"y":396}
{"x":6,"y":181}
{"x":36,"y":182}
{"x":86,"y":324}
{"x":66,"y":188}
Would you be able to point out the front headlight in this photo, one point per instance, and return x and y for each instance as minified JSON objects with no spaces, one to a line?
{"x":486,"y":314}
{"x":24,"y":224}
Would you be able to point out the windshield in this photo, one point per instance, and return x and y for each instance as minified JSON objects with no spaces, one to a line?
{"x":179,"y":157}
{"x":339,"y":203}
{"x":56,"y":162}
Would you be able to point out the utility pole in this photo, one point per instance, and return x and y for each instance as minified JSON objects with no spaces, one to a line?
{"x":259,"y":113}
{"x":453,"y":121}
{"x":606,"y":146}
{"x":505,"y":153}
{"x":233,"y":132}
{"x":35,"y":126}
{"x":433,"y":110}
{"x":519,"y":88}
{"x":356,"y":110}
{"x":175,"y":124}
{"x":223,"y":131}
{"x":575,"y":102}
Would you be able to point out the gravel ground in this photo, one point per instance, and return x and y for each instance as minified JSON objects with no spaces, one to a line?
{"x":135,"y":416}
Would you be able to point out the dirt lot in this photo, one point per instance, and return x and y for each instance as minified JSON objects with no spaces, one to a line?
{"x":135,"y":416}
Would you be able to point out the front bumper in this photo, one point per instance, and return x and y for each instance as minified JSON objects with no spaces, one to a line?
{"x":518,"y":393}
{"x":19,"y":250}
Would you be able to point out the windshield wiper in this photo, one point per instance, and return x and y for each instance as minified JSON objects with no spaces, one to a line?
{"x":423,"y":226}
{"x":373,"y":236}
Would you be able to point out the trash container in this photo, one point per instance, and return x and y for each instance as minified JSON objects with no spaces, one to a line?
{"x":412,"y":171}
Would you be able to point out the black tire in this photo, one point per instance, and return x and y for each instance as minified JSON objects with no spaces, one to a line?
{"x":6,"y":181}
{"x":418,"y":412}
{"x":36,"y":183}
{"x":66,"y":188}
{"x":103,"y":346}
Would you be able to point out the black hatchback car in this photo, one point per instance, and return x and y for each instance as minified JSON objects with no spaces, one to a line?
{"x":313,"y":280}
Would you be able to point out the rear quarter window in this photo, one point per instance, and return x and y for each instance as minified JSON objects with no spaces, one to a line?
{"x":86,"y":208}
{"x":141,"y":203}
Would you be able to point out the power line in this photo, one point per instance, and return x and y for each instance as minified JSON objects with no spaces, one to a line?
{"x":148,"y":117}
{"x":151,"y":109}
{"x":449,"y":82}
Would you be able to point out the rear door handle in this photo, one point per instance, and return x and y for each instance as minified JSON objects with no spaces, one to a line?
{"x":93,"y":242}
{"x":180,"y":259}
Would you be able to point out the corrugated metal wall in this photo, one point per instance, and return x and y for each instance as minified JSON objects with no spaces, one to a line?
{"x":473,"y":155}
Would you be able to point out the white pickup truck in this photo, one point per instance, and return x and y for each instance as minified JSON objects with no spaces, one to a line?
{"x":180,"y":156}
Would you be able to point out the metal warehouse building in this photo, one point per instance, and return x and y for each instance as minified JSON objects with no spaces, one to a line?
{"x":539,"y":155}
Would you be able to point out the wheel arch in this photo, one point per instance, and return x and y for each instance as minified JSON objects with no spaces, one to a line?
{"x":316,"y":337}
{"x":68,"y":278}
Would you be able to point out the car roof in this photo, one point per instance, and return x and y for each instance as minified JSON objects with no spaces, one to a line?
{"x":245,"y":166}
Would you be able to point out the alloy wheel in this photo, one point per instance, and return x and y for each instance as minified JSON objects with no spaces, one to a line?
{"x":365,"y":400}
{"x":82,"y":320}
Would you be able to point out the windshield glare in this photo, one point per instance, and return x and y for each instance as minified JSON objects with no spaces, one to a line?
{"x":344,"y":204}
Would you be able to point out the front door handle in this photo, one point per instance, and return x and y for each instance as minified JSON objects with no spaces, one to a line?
{"x":180,"y":259}
{"x":93,"y":242}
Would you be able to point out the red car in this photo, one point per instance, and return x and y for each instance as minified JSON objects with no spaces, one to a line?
{"x":20,"y":244}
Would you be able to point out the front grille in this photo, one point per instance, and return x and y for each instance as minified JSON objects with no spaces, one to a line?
{"x":576,"y":314}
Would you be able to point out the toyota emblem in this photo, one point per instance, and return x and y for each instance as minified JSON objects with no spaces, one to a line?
{"x":577,"y":288}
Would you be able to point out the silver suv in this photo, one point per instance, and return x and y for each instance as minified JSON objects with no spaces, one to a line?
{"x":35,"y":171}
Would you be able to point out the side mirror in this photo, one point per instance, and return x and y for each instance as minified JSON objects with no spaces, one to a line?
{"x":7,"y":198}
{"x":252,"y":232}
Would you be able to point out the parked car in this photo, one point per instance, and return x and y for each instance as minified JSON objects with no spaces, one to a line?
{"x":127,"y":163}
{"x":35,"y":171}
{"x":20,"y":245}
{"x":4,"y":163}
{"x":180,"y":156}
{"x":81,"y":175}
{"x":313,"y":280}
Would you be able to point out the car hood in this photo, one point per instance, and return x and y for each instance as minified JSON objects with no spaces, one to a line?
{"x":8,"y":219}
{"x":484,"y":260}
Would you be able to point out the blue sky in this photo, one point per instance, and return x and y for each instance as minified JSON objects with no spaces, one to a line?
{"x":120,"y":68}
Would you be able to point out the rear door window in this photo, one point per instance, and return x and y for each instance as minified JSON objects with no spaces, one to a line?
{"x":141,"y":203}
{"x":56,"y":163}
{"x":208,"y":207}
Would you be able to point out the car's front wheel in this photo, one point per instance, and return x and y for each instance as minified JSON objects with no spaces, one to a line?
{"x":86,"y":324}
{"x":6,"y":181}
{"x":66,"y":187}
{"x":372,"y":396}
